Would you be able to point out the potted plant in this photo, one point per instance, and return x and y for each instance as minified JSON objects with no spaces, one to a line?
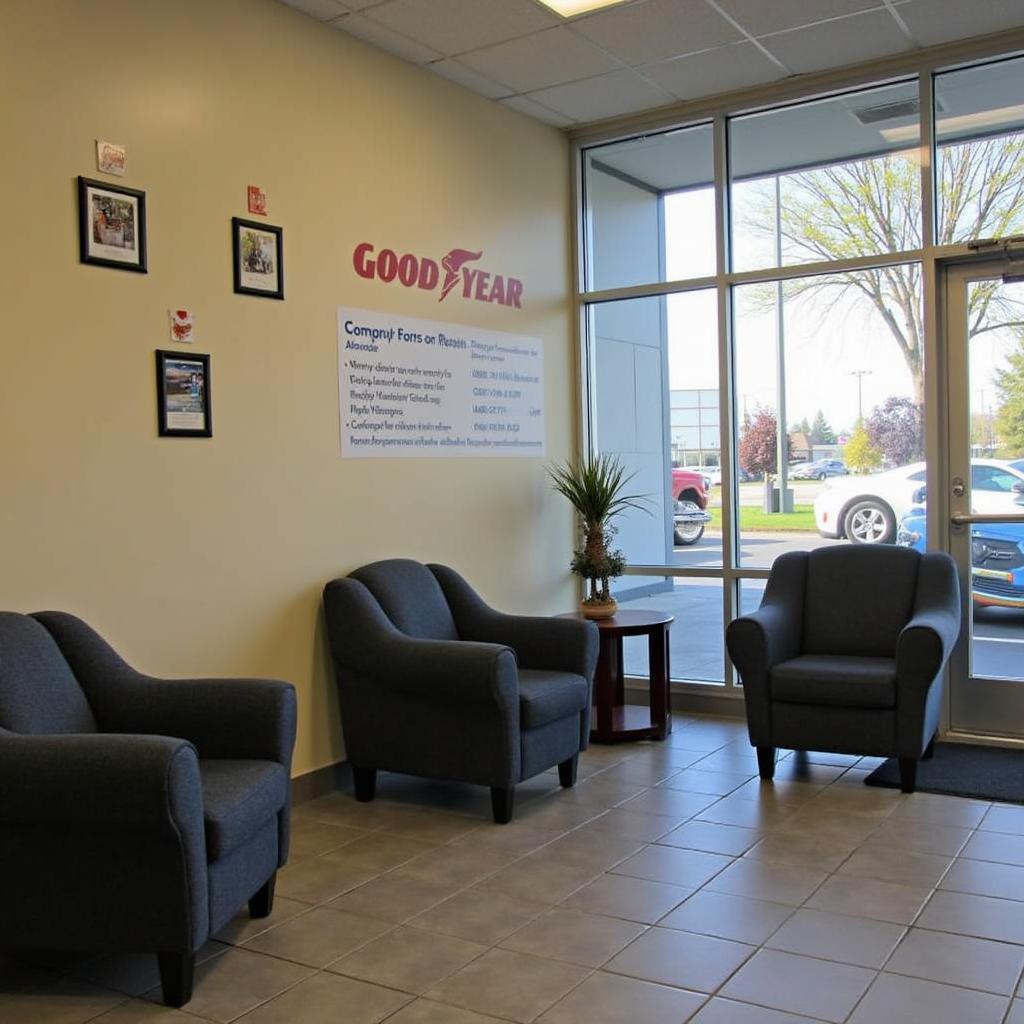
{"x":594,"y":488}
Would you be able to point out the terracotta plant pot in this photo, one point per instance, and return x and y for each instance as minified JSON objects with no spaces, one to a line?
{"x":604,"y":610}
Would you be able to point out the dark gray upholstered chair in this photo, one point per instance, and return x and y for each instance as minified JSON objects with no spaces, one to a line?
{"x":846,"y":653}
{"x":136,"y":814}
{"x":434,"y":682}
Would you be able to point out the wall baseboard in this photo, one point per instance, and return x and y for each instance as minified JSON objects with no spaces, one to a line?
{"x":320,"y":782}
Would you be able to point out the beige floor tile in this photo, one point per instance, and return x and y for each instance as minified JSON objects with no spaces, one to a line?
{"x":539,"y":880}
{"x":1016,"y":1014}
{"x":245,"y":927}
{"x":310,"y":837}
{"x":634,"y":899}
{"x":980,"y":916}
{"x":317,"y":938}
{"x":868,"y":897}
{"x":710,"y":837}
{"x":138,"y":1011}
{"x":457,"y":865}
{"x":779,"y":791}
{"x":897,"y":1000}
{"x":1003,"y":818}
{"x":799,"y":984}
{"x":613,"y":999}
{"x":479,"y":916}
{"x":394,"y":897}
{"x":133,"y":973}
{"x":551,"y":813}
{"x":65,"y":1001}
{"x":423,"y":1011}
{"x":920,"y":837}
{"x":849,"y":940}
{"x":620,"y":824}
{"x":821,"y":824}
{"x":688,"y":868}
{"x":959,"y":960}
{"x":797,"y":848}
{"x":691,"y":780}
{"x":669,"y":802}
{"x":428,"y":826}
{"x":728,"y":1011}
{"x":601,"y":791}
{"x":700,"y":963}
{"x":408,"y":959}
{"x":510,"y":985}
{"x":728,"y":917}
{"x":796,"y":769}
{"x":866,"y":801}
{"x":985,"y":878}
{"x":643,"y":771}
{"x":585,"y":939}
{"x":708,"y":735}
{"x":320,"y":879}
{"x":995,"y":846}
{"x":516,"y":839}
{"x":754,"y":814}
{"x":379,"y":851}
{"x":579,"y":849}
{"x":329,"y":999}
{"x":237,"y":982}
{"x":729,"y":759}
{"x":941,"y":810}
{"x":902,"y":866}
{"x":763,"y":880}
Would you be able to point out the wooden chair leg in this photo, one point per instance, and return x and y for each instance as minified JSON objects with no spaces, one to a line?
{"x":908,"y":774}
{"x":365,"y":780}
{"x":567,"y":771}
{"x":502,"y":802}
{"x":177,"y":971}
{"x":766,"y":763}
{"x":262,"y":903}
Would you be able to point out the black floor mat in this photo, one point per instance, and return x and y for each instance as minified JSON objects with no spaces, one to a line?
{"x":985,"y":773}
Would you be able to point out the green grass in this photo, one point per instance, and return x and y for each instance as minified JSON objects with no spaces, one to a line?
{"x":754,"y":520}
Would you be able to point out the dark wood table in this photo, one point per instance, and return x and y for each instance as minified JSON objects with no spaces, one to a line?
{"x":615,"y":721}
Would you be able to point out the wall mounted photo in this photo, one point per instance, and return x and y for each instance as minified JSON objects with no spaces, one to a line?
{"x":183,"y":394}
{"x":259,"y":268}
{"x":111,"y":225}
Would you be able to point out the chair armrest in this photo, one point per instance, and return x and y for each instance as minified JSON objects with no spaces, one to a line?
{"x":927,"y":640}
{"x":364,"y":640}
{"x":762,"y":639}
{"x":540,"y":642}
{"x":91,"y":781}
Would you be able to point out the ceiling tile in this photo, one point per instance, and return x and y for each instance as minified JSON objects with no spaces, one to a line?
{"x":621,"y":92}
{"x":322,"y":10}
{"x":527,"y":106}
{"x":943,"y":21}
{"x":455,"y":26}
{"x":834,"y":44}
{"x":539,"y":60}
{"x":393,"y":42}
{"x":758,"y":17}
{"x":456,"y":72}
{"x":714,"y":71}
{"x":654,"y":30}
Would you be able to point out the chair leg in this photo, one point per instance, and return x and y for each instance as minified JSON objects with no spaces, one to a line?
{"x":365,"y":780}
{"x":766,"y":763}
{"x":567,"y":772}
{"x":177,"y":971}
{"x":502,"y":802}
{"x":262,"y":903}
{"x":908,"y":774}
{"x":929,"y":751}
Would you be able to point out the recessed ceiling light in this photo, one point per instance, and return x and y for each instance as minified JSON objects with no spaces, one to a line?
{"x":570,"y":8}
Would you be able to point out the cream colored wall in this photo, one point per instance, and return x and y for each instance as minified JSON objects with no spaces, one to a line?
{"x":208,"y":556}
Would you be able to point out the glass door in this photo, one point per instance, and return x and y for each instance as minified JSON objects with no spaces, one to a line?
{"x":985,"y":333}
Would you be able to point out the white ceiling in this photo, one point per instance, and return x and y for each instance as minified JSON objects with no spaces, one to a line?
{"x":647,"y":53}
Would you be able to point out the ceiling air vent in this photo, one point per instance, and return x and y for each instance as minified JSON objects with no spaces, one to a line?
{"x":887,"y":111}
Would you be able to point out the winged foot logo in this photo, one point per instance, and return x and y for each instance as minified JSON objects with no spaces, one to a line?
{"x":422,"y":272}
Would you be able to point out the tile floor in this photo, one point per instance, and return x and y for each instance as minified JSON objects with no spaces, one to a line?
{"x":669,"y":886}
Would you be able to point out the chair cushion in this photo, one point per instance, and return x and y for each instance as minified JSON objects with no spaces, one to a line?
{"x":547,"y":696}
{"x":410,"y":596}
{"x":239,"y":797}
{"x":38,"y":691}
{"x":842,"y":681}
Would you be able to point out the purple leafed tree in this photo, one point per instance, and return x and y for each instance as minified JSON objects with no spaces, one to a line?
{"x":759,"y":442}
{"x":896,"y":429}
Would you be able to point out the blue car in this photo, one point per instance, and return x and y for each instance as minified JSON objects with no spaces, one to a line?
{"x":997,"y":558}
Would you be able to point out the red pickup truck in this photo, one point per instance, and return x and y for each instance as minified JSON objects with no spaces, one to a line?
{"x":689,"y":489}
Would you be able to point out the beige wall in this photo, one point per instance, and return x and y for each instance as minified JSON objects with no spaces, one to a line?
{"x":208,"y":556}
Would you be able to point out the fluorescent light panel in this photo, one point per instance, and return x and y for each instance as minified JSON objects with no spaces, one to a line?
{"x":959,"y":123}
{"x":570,"y":8}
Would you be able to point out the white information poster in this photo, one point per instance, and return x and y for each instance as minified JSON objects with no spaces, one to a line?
{"x":410,"y":387}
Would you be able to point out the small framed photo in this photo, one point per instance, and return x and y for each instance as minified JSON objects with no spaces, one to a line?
{"x":111,"y":225}
{"x":258,"y":256}
{"x":183,"y":394}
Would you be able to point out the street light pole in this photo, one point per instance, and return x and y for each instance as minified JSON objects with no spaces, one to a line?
{"x":860,"y":375}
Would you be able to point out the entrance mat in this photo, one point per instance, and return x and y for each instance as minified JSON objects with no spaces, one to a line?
{"x":984,"y":773}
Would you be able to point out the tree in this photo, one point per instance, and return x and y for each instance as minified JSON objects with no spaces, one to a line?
{"x":821,"y":432}
{"x":896,"y":429}
{"x":860,"y":454}
{"x":1009,"y":381}
{"x":870,"y":206}
{"x":759,"y":442}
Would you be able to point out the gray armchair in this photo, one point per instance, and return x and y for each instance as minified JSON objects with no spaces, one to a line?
{"x":434,"y":682}
{"x":136,"y":814}
{"x":846,"y":653}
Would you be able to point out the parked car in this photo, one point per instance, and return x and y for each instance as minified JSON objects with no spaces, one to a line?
{"x":867,"y":510}
{"x":712,"y":474}
{"x":689,"y":488}
{"x":997,"y":557}
{"x":820,"y":469}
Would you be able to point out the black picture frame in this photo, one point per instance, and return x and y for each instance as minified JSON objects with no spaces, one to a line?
{"x":183,"y":394}
{"x":108,"y":216}
{"x":248,"y":279}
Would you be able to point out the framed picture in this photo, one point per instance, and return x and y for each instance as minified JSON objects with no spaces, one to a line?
{"x":111,"y":225}
{"x":259,"y":268}
{"x":183,"y":394}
